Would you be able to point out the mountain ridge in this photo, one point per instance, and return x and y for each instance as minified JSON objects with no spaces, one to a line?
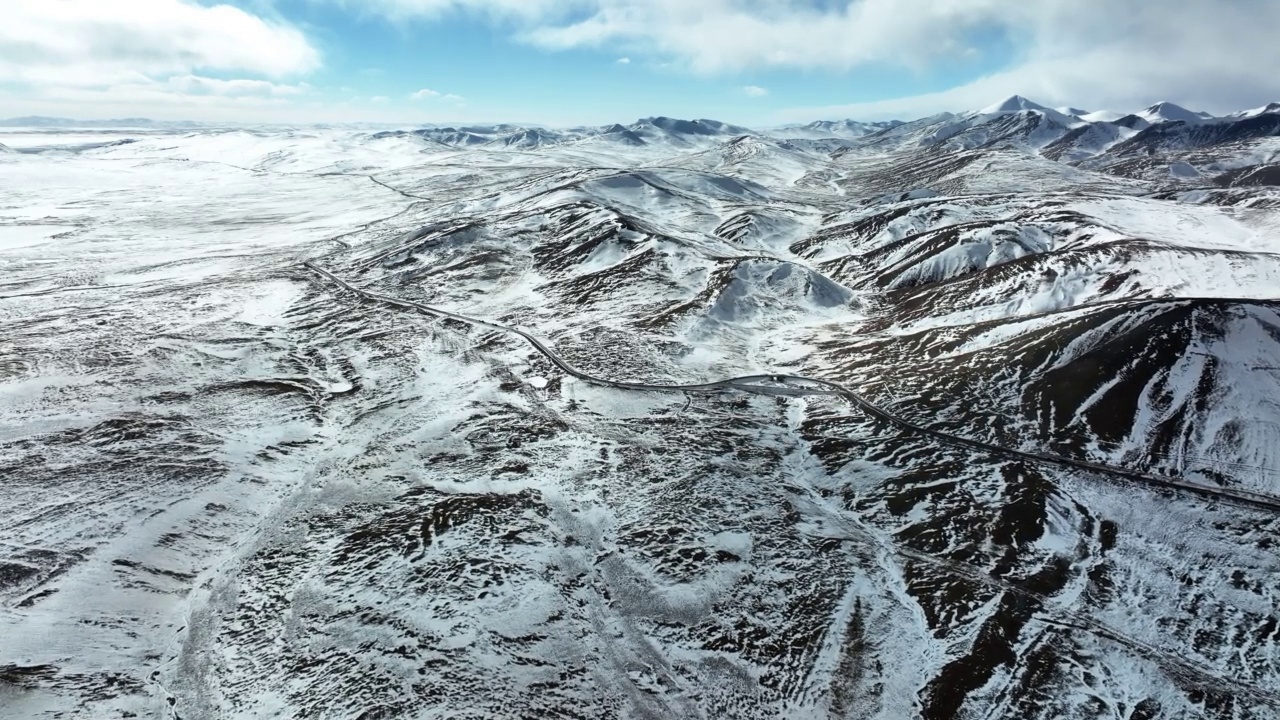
{"x":971,"y":416}
{"x":1013,"y":103}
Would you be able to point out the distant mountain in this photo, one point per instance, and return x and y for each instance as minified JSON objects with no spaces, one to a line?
{"x":1017,"y":104}
{"x":456,"y":136}
{"x":1165,"y":142}
{"x":684,"y":132}
{"x":1184,"y":135}
{"x":530,"y":138}
{"x":1100,"y":116}
{"x":1086,"y":141}
{"x":1264,"y":110}
{"x":1066,"y":134}
{"x":672,"y":131}
{"x":621,"y":134}
{"x":40,"y":121}
{"x":661,"y":130}
{"x":723,"y":128}
{"x":1014,"y":120}
{"x":1168,"y":112}
{"x":824,"y":129}
{"x":1012,"y":104}
{"x":1133,"y":122}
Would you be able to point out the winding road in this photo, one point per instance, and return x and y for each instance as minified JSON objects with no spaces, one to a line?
{"x":798,"y":386}
{"x":1194,"y":674}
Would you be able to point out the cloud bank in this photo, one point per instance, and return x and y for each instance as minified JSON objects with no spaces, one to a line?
{"x":149,"y":53}
{"x":1097,"y":54}
{"x":1100,"y":53}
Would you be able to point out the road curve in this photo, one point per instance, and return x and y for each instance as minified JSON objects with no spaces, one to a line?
{"x":798,"y":385}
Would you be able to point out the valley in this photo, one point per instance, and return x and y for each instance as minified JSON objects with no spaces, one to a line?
{"x":976,"y":415}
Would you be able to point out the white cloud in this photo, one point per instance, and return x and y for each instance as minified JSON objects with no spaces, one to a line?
{"x":429,"y":94}
{"x":1113,"y":54}
{"x":1121,"y":53}
{"x":729,"y":35}
{"x":84,"y":42}
{"x":496,"y":9}
{"x":1122,"y":60}
{"x":161,"y":103}
{"x":196,"y":85}
{"x":155,"y":51}
{"x":754,"y":91}
{"x":161,"y":100}
{"x":157,"y":94}
{"x":712,"y":36}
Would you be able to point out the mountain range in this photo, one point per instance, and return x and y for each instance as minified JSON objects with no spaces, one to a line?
{"x":969,"y":416}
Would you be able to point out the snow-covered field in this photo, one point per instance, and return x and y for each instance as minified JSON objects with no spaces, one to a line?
{"x":1038,"y":476}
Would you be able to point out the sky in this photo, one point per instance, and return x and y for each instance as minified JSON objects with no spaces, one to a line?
{"x":570,"y":62}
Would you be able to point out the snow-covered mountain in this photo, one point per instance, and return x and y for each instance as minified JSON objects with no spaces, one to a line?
{"x":822,"y":129}
{"x":1168,"y":112}
{"x":1018,"y":104}
{"x":1265,"y":109}
{"x":657,"y":130}
{"x":1100,"y":115}
{"x":1122,"y":143}
{"x":970,"y":416}
{"x":621,"y":134}
{"x":677,"y":132}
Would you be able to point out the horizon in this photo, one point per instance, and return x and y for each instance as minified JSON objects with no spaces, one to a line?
{"x":117,"y":122}
{"x":563,"y":63}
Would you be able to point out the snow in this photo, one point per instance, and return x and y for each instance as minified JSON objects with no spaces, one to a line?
{"x":1102,"y":116}
{"x":13,"y":237}
{"x":37,"y":140}
{"x":1017,"y":103}
{"x":1169,"y":112}
{"x":1189,"y":226}
{"x":1273,"y":107}
{"x":1012,"y":104}
{"x":237,"y":490}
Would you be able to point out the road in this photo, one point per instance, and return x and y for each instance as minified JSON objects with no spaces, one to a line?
{"x":798,"y":386}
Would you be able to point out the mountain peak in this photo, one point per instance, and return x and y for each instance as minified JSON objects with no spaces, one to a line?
{"x":677,"y":126}
{"x":1269,"y":108}
{"x":1012,"y":104}
{"x":1166,"y":111}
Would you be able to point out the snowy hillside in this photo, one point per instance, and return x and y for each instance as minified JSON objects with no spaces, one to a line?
{"x":1169,"y":112}
{"x":970,"y":416}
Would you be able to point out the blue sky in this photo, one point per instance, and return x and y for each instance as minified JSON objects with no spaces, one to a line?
{"x":501,"y":78}
{"x":562,"y":62}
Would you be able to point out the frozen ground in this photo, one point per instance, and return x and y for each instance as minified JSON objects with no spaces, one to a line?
{"x":236,"y":488}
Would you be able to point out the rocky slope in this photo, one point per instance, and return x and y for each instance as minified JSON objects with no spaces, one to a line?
{"x":428,"y":423}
